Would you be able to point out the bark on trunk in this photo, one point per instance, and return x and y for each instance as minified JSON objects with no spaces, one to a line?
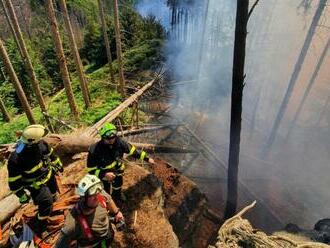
{"x":27,"y":61}
{"x":4,"y":111}
{"x":236,"y":105}
{"x":76,"y":56}
{"x":61,"y":59}
{"x":17,"y":84}
{"x":119,"y":52}
{"x":106,"y":41}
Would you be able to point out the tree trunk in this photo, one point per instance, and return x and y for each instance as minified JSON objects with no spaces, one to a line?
{"x":202,"y":41}
{"x":11,"y":25}
{"x":61,"y":59}
{"x":119,"y":53}
{"x":75,"y":53}
{"x":294,"y":77}
{"x":27,"y":61}
{"x":309,"y":87}
{"x":106,"y":42}
{"x":16,"y":83}
{"x":236,"y":105}
{"x":4,"y":111}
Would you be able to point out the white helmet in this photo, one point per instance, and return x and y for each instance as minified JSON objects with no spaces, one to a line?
{"x":31,"y":135}
{"x":89,"y":185}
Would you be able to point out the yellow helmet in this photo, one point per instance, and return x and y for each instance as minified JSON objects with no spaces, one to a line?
{"x":31,"y":135}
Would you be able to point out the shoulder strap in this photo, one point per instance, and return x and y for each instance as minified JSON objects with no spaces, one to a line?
{"x":81,"y":219}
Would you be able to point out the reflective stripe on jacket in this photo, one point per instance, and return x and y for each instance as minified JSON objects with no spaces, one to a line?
{"x":103,"y":158}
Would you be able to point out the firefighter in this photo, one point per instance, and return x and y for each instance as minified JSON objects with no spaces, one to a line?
{"x":88,"y":223}
{"x":32,"y":168}
{"x":104,"y":160}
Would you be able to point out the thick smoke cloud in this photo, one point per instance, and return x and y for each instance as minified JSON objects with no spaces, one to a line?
{"x":293,"y":179}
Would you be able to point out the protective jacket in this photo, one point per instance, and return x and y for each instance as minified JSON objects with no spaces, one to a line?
{"x":98,"y":222}
{"x":103,"y":158}
{"x":31,"y":168}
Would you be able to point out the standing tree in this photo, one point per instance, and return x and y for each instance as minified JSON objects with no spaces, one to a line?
{"x":309,"y":87}
{"x":4,"y":111}
{"x":106,"y":41}
{"x":74,"y":51}
{"x":27,"y":61}
{"x":11,"y":26}
{"x":119,"y":52}
{"x":242,"y":14}
{"x":61,"y":58}
{"x":16,"y":83}
{"x":294,"y":76}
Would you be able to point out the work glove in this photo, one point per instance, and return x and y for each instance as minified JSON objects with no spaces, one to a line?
{"x":24,"y":198}
{"x":57,"y":166}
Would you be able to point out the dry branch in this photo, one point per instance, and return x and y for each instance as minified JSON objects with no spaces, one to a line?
{"x":92,"y":131}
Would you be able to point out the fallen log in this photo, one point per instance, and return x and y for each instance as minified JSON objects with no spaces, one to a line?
{"x":92,"y":131}
{"x":8,"y":207}
{"x":145,"y":130}
{"x":66,"y":145}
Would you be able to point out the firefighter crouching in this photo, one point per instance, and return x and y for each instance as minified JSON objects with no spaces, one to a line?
{"x":88,"y":223}
{"x":32,"y":167}
{"x":104,"y":160}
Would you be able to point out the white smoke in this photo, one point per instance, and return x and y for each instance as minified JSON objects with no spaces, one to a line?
{"x":293,"y":180}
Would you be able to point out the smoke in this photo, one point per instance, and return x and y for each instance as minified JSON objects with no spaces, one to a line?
{"x":293,"y":179}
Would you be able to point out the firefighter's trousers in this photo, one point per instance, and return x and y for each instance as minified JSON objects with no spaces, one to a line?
{"x":43,"y":197}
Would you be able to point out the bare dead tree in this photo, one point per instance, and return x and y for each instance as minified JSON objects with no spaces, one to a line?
{"x":106,"y":41}
{"x":27,"y":61}
{"x":17,"y":85}
{"x":294,"y":77}
{"x":61,"y":58}
{"x":202,"y":41}
{"x":309,"y":86}
{"x":236,"y":105}
{"x":11,"y":25}
{"x":76,"y":56}
{"x":119,"y":51}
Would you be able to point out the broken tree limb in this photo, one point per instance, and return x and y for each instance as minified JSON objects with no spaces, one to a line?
{"x":145,"y":130}
{"x":206,"y":148}
{"x":92,"y":131}
{"x":65,"y":145}
{"x":151,"y":148}
{"x":59,"y":121}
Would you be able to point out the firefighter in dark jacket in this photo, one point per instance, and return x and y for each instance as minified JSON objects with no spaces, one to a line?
{"x":88,"y":223}
{"x":104,"y":160}
{"x":32,"y":167}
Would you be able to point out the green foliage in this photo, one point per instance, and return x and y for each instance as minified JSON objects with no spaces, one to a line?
{"x":151,"y":29}
{"x":138,"y":35}
{"x":93,"y":49}
{"x":142,"y":48}
{"x":144,"y":56}
{"x":131,"y":24}
{"x":88,"y":7}
{"x":7,"y":90}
